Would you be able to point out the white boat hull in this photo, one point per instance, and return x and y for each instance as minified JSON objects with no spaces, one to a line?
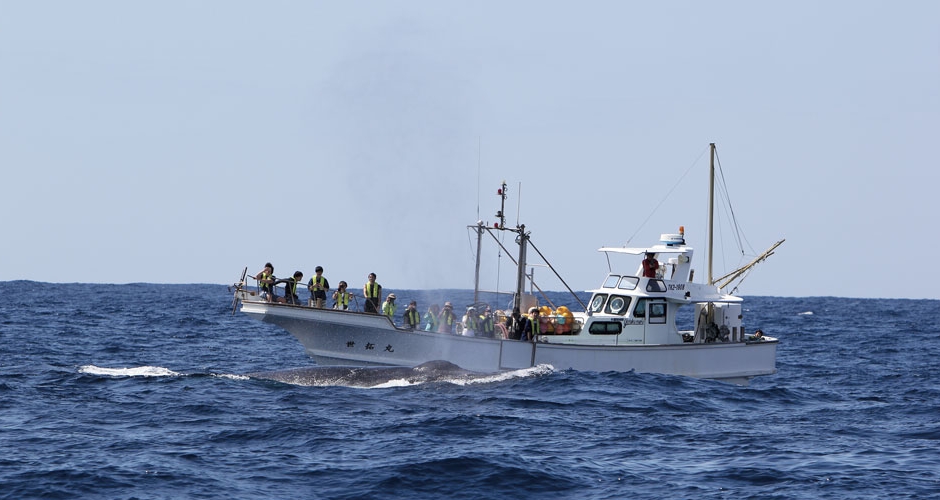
{"x":335,"y":337}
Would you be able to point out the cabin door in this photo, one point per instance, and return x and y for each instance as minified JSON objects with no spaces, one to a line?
{"x":656,"y":312}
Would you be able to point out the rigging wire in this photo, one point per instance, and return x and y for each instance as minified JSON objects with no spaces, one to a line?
{"x":666,"y":196}
{"x":739,"y":233}
{"x":743,"y":245}
{"x":722,"y":189}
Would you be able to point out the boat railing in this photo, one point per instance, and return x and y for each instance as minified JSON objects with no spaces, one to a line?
{"x":554,"y":323}
{"x":257,"y":294}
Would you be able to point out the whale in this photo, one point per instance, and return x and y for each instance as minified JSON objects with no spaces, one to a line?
{"x":372,"y":376}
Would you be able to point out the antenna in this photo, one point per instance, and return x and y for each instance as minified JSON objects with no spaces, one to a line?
{"x":501,"y":215}
{"x":479,"y":154}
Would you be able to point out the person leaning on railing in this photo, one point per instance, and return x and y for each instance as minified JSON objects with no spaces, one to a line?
{"x":290,"y":288}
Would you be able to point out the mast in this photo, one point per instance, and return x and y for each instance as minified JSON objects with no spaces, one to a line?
{"x":476,"y":275}
{"x":711,"y":210}
{"x":501,"y":192}
{"x":520,"y":269}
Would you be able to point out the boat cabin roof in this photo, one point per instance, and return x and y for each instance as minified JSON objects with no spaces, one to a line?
{"x":652,"y":249}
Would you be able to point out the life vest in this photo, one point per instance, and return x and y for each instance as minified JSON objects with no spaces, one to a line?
{"x":265,"y":286}
{"x":372,"y":290}
{"x":342,"y":299}
{"x":389,"y":308}
{"x":318,"y":283}
{"x":431,"y":320}
{"x":290,"y":286}
{"x":471,"y":322}
{"x":447,"y":322}
{"x":486,"y":324}
{"x":412,"y":318}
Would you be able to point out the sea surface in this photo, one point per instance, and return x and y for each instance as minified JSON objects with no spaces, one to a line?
{"x":139,"y":391}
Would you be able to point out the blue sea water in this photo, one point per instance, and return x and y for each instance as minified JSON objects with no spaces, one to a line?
{"x":137,"y":391}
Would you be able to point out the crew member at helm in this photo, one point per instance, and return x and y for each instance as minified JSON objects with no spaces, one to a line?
{"x":650,"y":265}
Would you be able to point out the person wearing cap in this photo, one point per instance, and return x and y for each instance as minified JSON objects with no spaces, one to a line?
{"x":447,"y":319}
{"x":372,"y":292}
{"x":487,"y":324}
{"x":412,"y":318}
{"x":341,"y":297}
{"x":470,"y":322}
{"x":650,"y":265}
{"x":389,"y":307}
{"x":431,"y":318}
{"x":318,"y":287}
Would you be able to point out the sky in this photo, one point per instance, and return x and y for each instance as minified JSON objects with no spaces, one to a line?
{"x":180,"y":142}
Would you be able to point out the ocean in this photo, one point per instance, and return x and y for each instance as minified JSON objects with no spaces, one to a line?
{"x":139,"y":391}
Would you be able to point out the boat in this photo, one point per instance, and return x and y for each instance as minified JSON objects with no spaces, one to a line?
{"x":629,"y":323}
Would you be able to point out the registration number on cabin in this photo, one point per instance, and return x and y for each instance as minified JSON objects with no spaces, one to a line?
{"x":673,"y":286}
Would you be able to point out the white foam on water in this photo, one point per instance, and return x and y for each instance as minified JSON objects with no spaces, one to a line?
{"x":139,"y":371}
{"x":534,"y":371}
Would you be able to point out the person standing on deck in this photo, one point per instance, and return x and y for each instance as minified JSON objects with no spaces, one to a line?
{"x":447,"y":319}
{"x":341,"y":297}
{"x":487,"y":324}
{"x":470,"y":322}
{"x":389,"y":307}
{"x":650,"y":265}
{"x":318,"y":287}
{"x":531,"y":325}
{"x":515,"y":325}
{"x":372,"y":292}
{"x":431,"y":318}
{"x":412,"y":318}
{"x":266,"y":281}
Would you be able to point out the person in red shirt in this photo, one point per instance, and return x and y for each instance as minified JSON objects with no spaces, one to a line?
{"x":650,"y":265}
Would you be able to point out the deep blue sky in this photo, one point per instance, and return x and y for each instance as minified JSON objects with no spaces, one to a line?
{"x":181,"y":141}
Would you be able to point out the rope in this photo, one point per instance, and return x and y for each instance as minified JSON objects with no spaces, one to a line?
{"x":669,"y":193}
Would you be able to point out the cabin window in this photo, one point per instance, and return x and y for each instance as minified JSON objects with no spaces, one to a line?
{"x":597,"y":303}
{"x":606,"y":328}
{"x":657,"y":312}
{"x":611,"y":281}
{"x":655,"y":286}
{"x":640,"y":310}
{"x":618,"y":304}
{"x":628,"y":283}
